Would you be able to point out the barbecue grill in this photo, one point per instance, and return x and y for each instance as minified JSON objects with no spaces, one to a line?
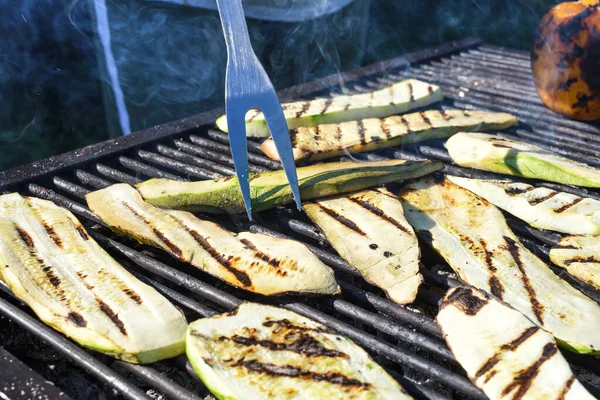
{"x":403,"y":339}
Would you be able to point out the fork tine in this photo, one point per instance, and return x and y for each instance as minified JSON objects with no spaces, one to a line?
{"x":237,"y":142}
{"x":271,"y":108}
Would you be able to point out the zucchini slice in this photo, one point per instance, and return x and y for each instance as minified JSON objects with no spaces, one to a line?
{"x":269,"y":189}
{"x":251,"y":261}
{"x":50,"y":262}
{"x":368,"y":229}
{"x":540,"y":207}
{"x":580,"y":256}
{"x":473,"y":237}
{"x":395,"y":99}
{"x":503,"y":352}
{"x":505,"y":156}
{"x":263,"y":352}
{"x":326,"y":141}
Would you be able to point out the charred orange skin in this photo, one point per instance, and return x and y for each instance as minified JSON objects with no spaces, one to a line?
{"x":566,"y":59}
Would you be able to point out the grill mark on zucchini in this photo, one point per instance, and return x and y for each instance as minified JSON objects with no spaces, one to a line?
{"x":338,"y":133}
{"x":303,"y":110}
{"x":496,"y":287}
{"x":53,"y":279}
{"x":342,"y":220}
{"x":133,"y":295}
{"x":539,"y":200}
{"x":430,"y":89}
{"x":326,"y":106}
{"x":386,"y":129}
{"x":411,"y":93}
{"x":25,"y":236}
{"x":565,"y":207}
{"x":463,"y":299}
{"x":297,"y":372}
{"x":77,"y":319}
{"x":373,"y":209}
{"x":53,"y":235}
{"x":174,"y":249}
{"x":305,"y":345}
{"x":514,"y":191}
{"x":240,"y":275}
{"x":361,"y":133}
{"x":566,"y":247}
{"x":114,"y":317}
{"x":82,"y":232}
{"x":407,"y":124}
{"x":446,"y":116}
{"x":566,"y":387}
{"x":252,"y":117}
{"x":262,"y":256}
{"x":523,"y":381}
{"x":426,"y":119}
{"x":536,"y":306}
{"x":287,"y":324}
{"x":579,"y":259}
{"x":511,"y":346}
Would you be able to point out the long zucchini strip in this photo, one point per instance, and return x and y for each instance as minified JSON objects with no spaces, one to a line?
{"x":497,"y":154}
{"x":540,"y":207}
{"x":580,"y":256}
{"x":473,"y":237}
{"x":503,"y":352}
{"x":271,"y":188}
{"x":251,"y":261}
{"x":263,"y":352}
{"x":326,"y":141}
{"x":395,"y":99}
{"x":368,"y":229}
{"x":51,"y":263}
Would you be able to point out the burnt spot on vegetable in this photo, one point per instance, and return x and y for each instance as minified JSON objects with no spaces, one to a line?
{"x":411,"y":93}
{"x":565,"y":388}
{"x":406,"y":124}
{"x":590,"y":259}
{"x":373,"y":209}
{"x":361,"y":132}
{"x":567,"y":84}
{"x":387,"y":254}
{"x":77,"y":319}
{"x":426,"y":119}
{"x":53,"y":235}
{"x":303,"y":344}
{"x":326,"y":105}
{"x":113,"y":316}
{"x":373,"y":246}
{"x":133,"y":295}
{"x":583,"y":100}
{"x":285,"y":323}
{"x":465,"y":300}
{"x":82,"y":232}
{"x":496,"y":287}
{"x":565,"y":247}
{"x":519,"y":340}
{"x":342,"y":220}
{"x":515,"y":190}
{"x":25,"y":237}
{"x":260,"y":255}
{"x":565,"y":207}
{"x":539,"y":200}
{"x":303,"y":109}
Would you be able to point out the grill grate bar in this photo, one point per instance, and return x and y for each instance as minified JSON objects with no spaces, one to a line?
{"x":178,"y":166}
{"x":213,"y":157}
{"x":116,"y":174}
{"x":146,"y":170}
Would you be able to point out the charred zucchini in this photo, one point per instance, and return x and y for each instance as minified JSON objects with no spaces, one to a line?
{"x":580,"y":256}
{"x":395,"y":99}
{"x":251,"y":261}
{"x":368,"y":229}
{"x":50,"y":262}
{"x":271,"y":188}
{"x":326,"y":141}
{"x":263,"y":352}
{"x":503,"y":352}
{"x":473,"y":237}
{"x":505,"y":156}
{"x":540,"y":207}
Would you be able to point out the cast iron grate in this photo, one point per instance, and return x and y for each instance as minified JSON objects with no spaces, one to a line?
{"x":404,"y":339}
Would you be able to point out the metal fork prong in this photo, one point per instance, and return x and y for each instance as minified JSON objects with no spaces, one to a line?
{"x":281,"y":136}
{"x":237,"y":142}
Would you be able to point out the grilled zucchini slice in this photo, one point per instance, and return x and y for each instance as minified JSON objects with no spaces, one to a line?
{"x":326,"y":141}
{"x":580,"y":256}
{"x":503,"y":352}
{"x":395,"y":99}
{"x":473,"y":237}
{"x":271,"y":188}
{"x":263,"y":352}
{"x":368,"y":229}
{"x":540,"y":207}
{"x":251,"y":261}
{"x":50,"y":262}
{"x":511,"y":157}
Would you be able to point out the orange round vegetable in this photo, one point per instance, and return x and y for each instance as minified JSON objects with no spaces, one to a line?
{"x":566,"y":59}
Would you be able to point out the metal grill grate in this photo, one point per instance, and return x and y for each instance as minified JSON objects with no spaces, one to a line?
{"x":404,"y":339}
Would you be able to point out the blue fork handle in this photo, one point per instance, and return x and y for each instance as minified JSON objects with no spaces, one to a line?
{"x":235,"y":29}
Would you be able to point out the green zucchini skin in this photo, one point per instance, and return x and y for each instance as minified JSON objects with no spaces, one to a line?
{"x":326,"y":141}
{"x":263,"y":352}
{"x":473,"y":237}
{"x":51,"y":263}
{"x":540,"y":207}
{"x":503,"y":352}
{"x":250,"y":261}
{"x":580,"y":256}
{"x":271,"y":188}
{"x":368,"y":229}
{"x":505,"y":156}
{"x":395,"y":99}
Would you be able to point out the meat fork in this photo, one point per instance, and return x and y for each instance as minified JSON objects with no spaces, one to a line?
{"x":248,"y":86}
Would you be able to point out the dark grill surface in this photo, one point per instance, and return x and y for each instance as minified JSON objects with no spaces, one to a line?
{"x":405,"y":340}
